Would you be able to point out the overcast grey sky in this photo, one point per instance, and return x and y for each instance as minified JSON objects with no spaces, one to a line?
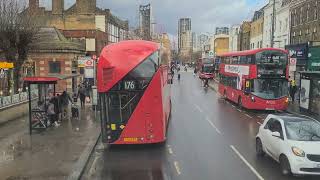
{"x":205,"y":14}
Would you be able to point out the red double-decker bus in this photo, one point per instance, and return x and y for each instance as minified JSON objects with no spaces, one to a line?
{"x":134,"y":90}
{"x":255,"y":79}
{"x":206,"y":68}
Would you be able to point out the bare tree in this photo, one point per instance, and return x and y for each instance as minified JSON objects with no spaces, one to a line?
{"x":17,"y":30}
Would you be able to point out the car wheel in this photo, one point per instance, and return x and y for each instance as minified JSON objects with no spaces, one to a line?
{"x":259,"y":148}
{"x":285,"y":166}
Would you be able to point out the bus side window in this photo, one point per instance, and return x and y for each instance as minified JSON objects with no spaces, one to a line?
{"x":249,"y":59}
{"x":243,"y":60}
{"x":235,"y":60}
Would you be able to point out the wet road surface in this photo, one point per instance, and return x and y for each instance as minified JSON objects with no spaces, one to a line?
{"x":208,"y":138}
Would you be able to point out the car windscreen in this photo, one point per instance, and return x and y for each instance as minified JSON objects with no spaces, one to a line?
{"x":303,"y":130}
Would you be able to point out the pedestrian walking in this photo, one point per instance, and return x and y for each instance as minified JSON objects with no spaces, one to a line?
{"x":293,"y":90}
{"x":206,"y":82}
{"x":195,"y":71}
{"x":64,"y":103}
{"x":82,"y":95}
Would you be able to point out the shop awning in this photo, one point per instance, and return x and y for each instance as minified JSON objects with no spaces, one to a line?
{"x":50,"y":79}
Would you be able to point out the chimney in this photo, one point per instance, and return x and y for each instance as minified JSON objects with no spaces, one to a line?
{"x":33,"y":5}
{"x":86,"y":6}
{"x":57,"y":7}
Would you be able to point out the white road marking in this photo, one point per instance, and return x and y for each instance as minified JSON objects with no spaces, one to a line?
{"x":259,"y":123}
{"x":176,"y":165}
{"x":233,"y":106}
{"x":214,"y":127}
{"x":247,"y":163}
{"x":170,"y":150}
{"x":199,"y":109}
{"x":249,"y":116}
{"x":239,"y":110}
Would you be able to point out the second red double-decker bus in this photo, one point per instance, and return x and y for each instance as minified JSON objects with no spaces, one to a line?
{"x":134,"y":90}
{"x":206,"y":68}
{"x":255,"y":79}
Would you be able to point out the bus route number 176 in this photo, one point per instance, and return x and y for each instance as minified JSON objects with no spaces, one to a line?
{"x":129,"y":85}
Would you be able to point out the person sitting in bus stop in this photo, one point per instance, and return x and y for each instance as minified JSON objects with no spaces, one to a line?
{"x":52,"y":111}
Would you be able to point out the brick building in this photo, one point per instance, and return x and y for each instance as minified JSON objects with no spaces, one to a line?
{"x":305,"y":21}
{"x":83,"y":21}
{"x":53,"y":54}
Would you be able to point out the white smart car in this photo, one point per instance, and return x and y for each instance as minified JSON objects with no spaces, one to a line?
{"x":293,"y":141}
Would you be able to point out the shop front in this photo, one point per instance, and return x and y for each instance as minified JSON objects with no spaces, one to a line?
{"x":298,"y":60}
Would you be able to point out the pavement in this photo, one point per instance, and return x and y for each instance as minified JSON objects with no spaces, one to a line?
{"x":55,"y":153}
{"x":208,"y":139}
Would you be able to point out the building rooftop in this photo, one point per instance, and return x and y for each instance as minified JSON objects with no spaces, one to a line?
{"x":51,"y":39}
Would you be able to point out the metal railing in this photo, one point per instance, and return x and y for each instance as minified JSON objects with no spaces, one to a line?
{"x":7,"y":101}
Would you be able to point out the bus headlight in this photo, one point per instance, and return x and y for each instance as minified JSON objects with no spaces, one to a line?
{"x":287,"y":100}
{"x":253,"y":99}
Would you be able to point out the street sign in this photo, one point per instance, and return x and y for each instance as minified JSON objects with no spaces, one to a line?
{"x":211,"y":54}
{"x":292,"y":64}
{"x":89,"y":63}
{"x":6,"y":65}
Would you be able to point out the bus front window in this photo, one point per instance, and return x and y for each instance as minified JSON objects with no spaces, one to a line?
{"x":271,"y":62}
{"x":270,"y":88}
{"x":208,"y":69}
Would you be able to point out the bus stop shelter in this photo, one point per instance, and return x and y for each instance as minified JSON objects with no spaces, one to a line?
{"x":40,"y":91}
{"x":310,"y":91}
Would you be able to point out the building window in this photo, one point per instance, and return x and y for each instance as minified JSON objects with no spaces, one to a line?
{"x":292,"y":19}
{"x":308,"y":9}
{"x":315,"y":12}
{"x":301,"y":14}
{"x":55,"y":67}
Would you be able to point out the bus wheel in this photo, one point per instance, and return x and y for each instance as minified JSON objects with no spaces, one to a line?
{"x":240,"y":102}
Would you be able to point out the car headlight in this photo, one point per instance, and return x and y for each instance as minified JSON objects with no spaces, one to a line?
{"x":252,"y":98}
{"x":298,"y":152}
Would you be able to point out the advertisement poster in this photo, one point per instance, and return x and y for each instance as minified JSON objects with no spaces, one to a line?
{"x":304,"y":93}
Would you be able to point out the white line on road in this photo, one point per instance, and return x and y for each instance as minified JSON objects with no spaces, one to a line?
{"x":176,"y":165}
{"x":249,"y":116}
{"x":233,"y":106}
{"x":259,"y":123}
{"x":214,"y":127}
{"x":239,"y":110}
{"x":247,"y":163}
{"x":170,"y":150}
{"x":199,"y":109}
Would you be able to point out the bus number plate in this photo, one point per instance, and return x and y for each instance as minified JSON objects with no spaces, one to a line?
{"x":130,"y":139}
{"x":129,"y":85}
